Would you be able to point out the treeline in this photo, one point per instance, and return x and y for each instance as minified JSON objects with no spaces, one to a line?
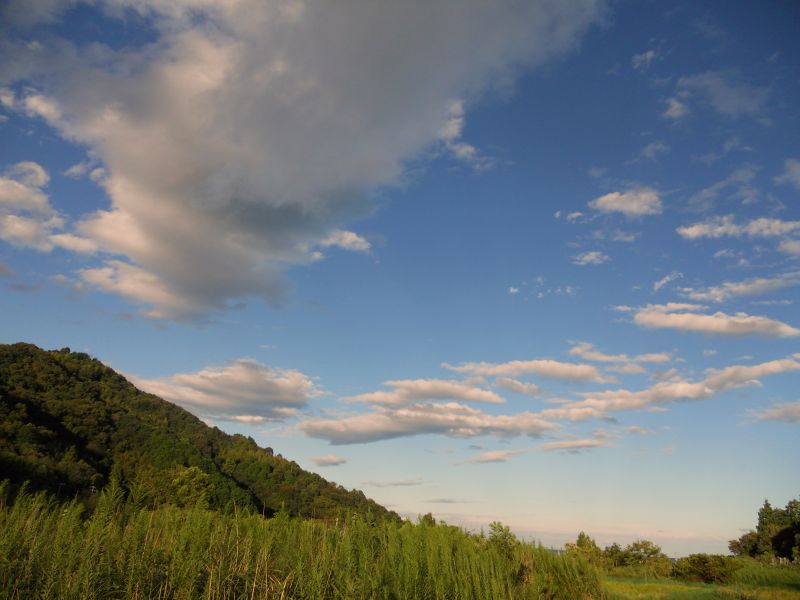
{"x":776,"y":536}
{"x":51,"y":549}
{"x":67,"y":422}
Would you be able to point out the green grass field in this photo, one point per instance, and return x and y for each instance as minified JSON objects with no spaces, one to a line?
{"x":668,"y":589}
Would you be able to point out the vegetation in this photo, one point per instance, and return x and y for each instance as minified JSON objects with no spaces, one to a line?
{"x":67,"y":422}
{"x":777,"y":534}
{"x":121,"y":551}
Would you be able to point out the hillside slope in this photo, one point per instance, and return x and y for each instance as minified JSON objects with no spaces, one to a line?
{"x":67,"y":422}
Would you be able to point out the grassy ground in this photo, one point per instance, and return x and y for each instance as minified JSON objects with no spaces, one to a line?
{"x":666,"y":589}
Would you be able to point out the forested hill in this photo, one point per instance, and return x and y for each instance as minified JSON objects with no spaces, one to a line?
{"x":67,"y":422}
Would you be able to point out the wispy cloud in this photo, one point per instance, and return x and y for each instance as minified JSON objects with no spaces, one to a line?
{"x":495,"y":456}
{"x":329,"y":460}
{"x":408,"y":391}
{"x":726,"y":226}
{"x":791,"y":173}
{"x":592,"y":257}
{"x":750,"y":287}
{"x":726,"y":93}
{"x":686,"y":317}
{"x":549,"y":369}
{"x":788,"y":413}
{"x":633,"y":203}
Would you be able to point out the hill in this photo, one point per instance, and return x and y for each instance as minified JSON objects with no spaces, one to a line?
{"x":67,"y":422}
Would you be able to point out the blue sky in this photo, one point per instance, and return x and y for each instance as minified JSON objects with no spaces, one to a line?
{"x":531,"y":262}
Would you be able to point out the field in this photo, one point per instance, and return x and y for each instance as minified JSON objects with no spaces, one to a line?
{"x":667,"y":589}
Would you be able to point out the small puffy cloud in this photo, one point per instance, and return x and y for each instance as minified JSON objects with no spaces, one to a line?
{"x":78,"y":170}
{"x":637,"y":202}
{"x":451,"y":419}
{"x":243,"y":390}
{"x":667,"y":279}
{"x":686,"y":317}
{"x":549,"y":369}
{"x":408,"y":391}
{"x":641,"y":62}
{"x":574,"y":216}
{"x":520,"y":387}
{"x":725,"y":226}
{"x":788,"y":413}
{"x":329,"y":460}
{"x":791,"y":173}
{"x":495,"y":456}
{"x":676,"y":109}
{"x":346,"y":240}
{"x":726,"y":93}
{"x":592,"y":257}
{"x":749,"y":287}
{"x":512,"y":290}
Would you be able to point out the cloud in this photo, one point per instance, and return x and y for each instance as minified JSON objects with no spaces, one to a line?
{"x":400,"y":483}
{"x":243,"y":390}
{"x":637,"y":202}
{"x":264,"y":127}
{"x":724,"y":226}
{"x":408,"y":391}
{"x":791,"y":173}
{"x":26,"y":218}
{"x":587,"y":351}
{"x":684,"y":317}
{"x":329,"y":460}
{"x":451,"y":419}
{"x":495,"y":456}
{"x":749,"y":287}
{"x":676,"y":109}
{"x":726,"y":93}
{"x":512,"y":290}
{"x":593,"y":257}
{"x":520,"y":387}
{"x":549,"y":369}
{"x":641,"y":62}
{"x":346,"y":240}
{"x":637,"y":430}
{"x":790,"y":247}
{"x":663,"y":392}
{"x":788,"y":413}
{"x":574,"y":446}
{"x":739,"y":179}
{"x":652,"y":151}
{"x":667,"y":279}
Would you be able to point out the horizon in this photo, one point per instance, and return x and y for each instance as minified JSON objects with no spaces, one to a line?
{"x":534,"y":263}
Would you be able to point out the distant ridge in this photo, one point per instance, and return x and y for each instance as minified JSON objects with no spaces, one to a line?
{"x":67,"y":422}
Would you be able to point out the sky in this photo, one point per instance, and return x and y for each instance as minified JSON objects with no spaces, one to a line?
{"x":535,"y":262}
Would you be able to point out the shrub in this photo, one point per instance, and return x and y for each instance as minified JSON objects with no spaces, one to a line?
{"x":708,"y":568}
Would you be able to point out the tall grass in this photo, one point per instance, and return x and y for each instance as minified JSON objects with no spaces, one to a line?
{"x":51,"y":550}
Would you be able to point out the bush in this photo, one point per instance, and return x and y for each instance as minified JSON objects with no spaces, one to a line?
{"x":708,"y":568}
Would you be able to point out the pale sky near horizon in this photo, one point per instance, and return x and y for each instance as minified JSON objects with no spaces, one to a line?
{"x":535,"y":262}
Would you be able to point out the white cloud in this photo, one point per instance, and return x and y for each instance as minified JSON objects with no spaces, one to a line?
{"x":346,"y":240}
{"x":512,"y":290}
{"x":652,"y":150}
{"x":520,"y":387}
{"x":716,"y":381}
{"x":329,"y":460}
{"x":750,"y":287}
{"x":667,"y":279}
{"x":243,"y":390}
{"x":573,"y":446}
{"x":549,"y":369}
{"x":641,"y":62}
{"x":587,"y":351}
{"x":264,"y":127}
{"x":637,"y":430}
{"x":574,"y":216}
{"x":593,"y":257}
{"x":739,"y":179}
{"x":788,"y":413}
{"x":791,"y":173}
{"x":637,"y":202}
{"x":724,"y":226}
{"x":726,"y":93}
{"x":790,"y":247}
{"x":495,"y":456}
{"x":684,"y":317}
{"x":676,"y":109}
{"x":451,"y":419}
{"x":408,"y":391}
